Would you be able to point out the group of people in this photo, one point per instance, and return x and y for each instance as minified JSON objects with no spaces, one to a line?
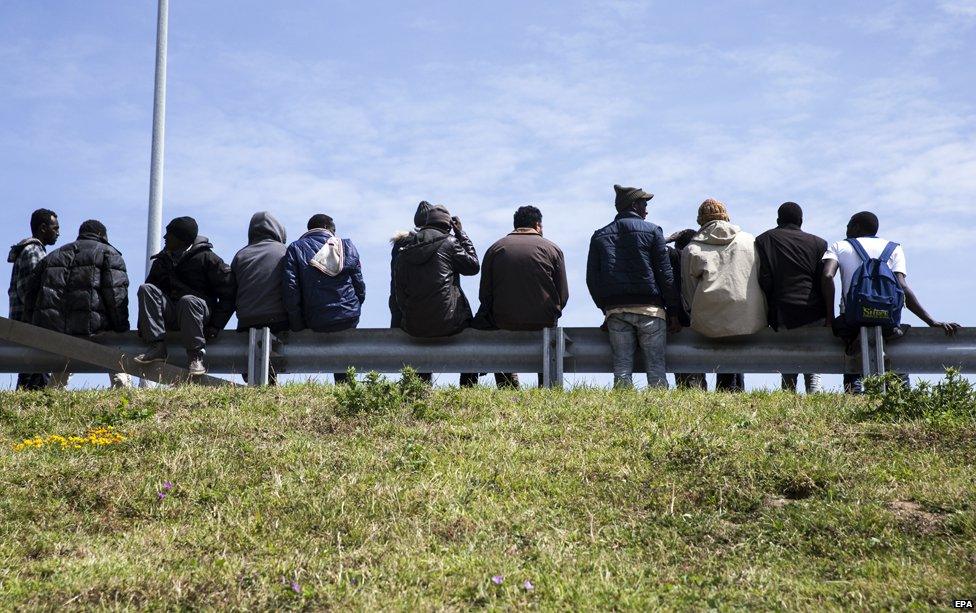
{"x":717,"y":280}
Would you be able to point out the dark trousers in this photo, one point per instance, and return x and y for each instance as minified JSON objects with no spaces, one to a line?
{"x":32,"y":381}
{"x":468,"y":379}
{"x":511,"y":380}
{"x":730,"y":382}
{"x":158,"y":314}
{"x":690,"y":380}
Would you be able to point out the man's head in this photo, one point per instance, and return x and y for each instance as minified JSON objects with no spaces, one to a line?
{"x":93,"y":227}
{"x":682,"y":238}
{"x":712,"y":210}
{"x":44,"y":226}
{"x":321,"y":221}
{"x":789,"y":213}
{"x":180,"y":234}
{"x":438,"y":217}
{"x":862,"y":224}
{"x":528,"y":217}
{"x":631,"y":199}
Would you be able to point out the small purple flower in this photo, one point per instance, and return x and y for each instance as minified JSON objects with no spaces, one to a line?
{"x":527,"y":586}
{"x":498,"y":579}
{"x":160,"y":495}
{"x":295,"y":587}
{"x":167,"y":485}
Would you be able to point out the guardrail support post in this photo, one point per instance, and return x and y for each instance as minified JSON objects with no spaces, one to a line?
{"x":872,"y":352}
{"x":553,"y":353}
{"x":258,"y":356}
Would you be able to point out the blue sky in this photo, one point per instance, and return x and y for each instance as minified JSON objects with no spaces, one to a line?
{"x":361,"y":109}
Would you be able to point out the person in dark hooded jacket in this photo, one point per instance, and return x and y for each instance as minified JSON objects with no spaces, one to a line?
{"x":81,"y":289}
{"x":428,"y":279}
{"x":258,"y":272}
{"x":400,"y":240}
{"x":189,"y":288}
{"x":25,"y":256}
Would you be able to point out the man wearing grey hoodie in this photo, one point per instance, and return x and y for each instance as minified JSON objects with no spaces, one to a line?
{"x":258,"y":271}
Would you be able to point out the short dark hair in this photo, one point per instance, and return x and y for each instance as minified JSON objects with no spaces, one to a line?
{"x":789,"y":212}
{"x":41,"y":216}
{"x":867,"y":222}
{"x":527,"y":217}
{"x":93,"y":226}
{"x":321,"y":220}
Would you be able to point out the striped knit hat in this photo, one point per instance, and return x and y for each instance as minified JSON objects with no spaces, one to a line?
{"x":712,"y":210}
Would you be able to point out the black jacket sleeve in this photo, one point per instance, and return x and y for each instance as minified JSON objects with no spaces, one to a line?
{"x":114,"y":290}
{"x":464,"y":259}
{"x":222,"y":284}
{"x":33,"y":289}
{"x":766,"y":282}
{"x":593,"y":271}
{"x":663,"y":275}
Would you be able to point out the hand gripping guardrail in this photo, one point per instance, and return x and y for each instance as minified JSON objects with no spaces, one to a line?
{"x":552,"y":352}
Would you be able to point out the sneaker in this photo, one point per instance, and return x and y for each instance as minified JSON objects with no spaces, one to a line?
{"x":156,"y":353}
{"x":196,"y":366}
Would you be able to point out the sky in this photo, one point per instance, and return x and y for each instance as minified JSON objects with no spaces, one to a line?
{"x":361,"y":109}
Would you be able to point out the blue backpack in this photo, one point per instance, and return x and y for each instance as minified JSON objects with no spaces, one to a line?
{"x":875,"y":297}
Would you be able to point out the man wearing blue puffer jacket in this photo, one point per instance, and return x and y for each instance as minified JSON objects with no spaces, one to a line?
{"x":323,"y":281}
{"x":628,"y":273}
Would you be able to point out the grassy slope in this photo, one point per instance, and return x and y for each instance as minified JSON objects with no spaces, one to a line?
{"x":600,"y":499}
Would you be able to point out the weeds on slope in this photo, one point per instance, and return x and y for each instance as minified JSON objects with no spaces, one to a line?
{"x":951,"y":399}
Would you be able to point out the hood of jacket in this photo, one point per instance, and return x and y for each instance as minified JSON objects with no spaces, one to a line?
{"x":263,"y":227}
{"x":420,"y":217}
{"x":422,"y":246}
{"x":15,"y":250}
{"x":717,"y":233}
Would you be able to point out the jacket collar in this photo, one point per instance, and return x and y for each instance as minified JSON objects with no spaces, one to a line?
{"x":788,"y":226}
{"x":627,"y":213}
{"x":317,"y":231}
{"x":524,"y":231}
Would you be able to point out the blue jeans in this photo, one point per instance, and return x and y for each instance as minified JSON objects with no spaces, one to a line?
{"x":627,"y":331}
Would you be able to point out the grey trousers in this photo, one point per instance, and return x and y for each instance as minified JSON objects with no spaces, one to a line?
{"x":157,"y":314}
{"x":812,"y":380}
{"x":627,"y":331}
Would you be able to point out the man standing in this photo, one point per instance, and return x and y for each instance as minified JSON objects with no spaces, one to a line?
{"x":428,"y":280}
{"x":323,"y":281}
{"x":629,"y":276}
{"x":720,"y":282}
{"x":258,"y":272}
{"x":523,"y":282}
{"x":190,"y":289}
{"x":81,"y":289}
{"x":681,"y":239}
{"x":25,"y":256}
{"x":862,"y":235}
{"x":790,"y":266}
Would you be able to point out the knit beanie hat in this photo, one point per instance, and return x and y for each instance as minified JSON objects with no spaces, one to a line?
{"x":183,"y":228}
{"x":439,"y":217}
{"x":712,"y":210}
{"x":420,"y":217}
{"x":626,"y":197}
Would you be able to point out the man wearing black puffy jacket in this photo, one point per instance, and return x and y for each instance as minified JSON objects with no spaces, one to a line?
{"x":81,"y":289}
{"x":428,"y":279}
{"x":629,"y":276}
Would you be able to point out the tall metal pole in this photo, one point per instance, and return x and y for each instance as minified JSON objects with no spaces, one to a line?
{"x":155,"y":226}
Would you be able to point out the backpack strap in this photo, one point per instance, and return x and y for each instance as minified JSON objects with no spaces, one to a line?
{"x":859,"y":250}
{"x":887,"y":253}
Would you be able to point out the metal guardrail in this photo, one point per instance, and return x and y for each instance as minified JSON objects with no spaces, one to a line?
{"x":552,"y":352}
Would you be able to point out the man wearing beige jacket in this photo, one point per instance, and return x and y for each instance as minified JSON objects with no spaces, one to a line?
{"x":720,"y":282}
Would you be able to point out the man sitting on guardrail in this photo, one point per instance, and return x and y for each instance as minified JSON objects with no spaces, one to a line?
{"x":854,"y":257}
{"x":189,"y":289}
{"x":323,"y":281}
{"x":790,"y":265}
{"x":523,"y":283}
{"x":25,"y":256}
{"x":398,"y":242}
{"x":81,"y":289}
{"x":720,"y":282}
{"x":681,"y":239}
{"x":629,"y":276}
{"x":428,"y":284}
{"x":258,"y":271}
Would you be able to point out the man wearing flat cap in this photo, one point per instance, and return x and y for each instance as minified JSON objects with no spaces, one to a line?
{"x":629,"y":276}
{"x":189,"y":289}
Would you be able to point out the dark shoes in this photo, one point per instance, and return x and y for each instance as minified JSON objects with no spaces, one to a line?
{"x":196,"y":366}
{"x":156,"y":353}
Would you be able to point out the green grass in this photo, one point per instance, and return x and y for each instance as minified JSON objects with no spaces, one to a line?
{"x":600,"y":499}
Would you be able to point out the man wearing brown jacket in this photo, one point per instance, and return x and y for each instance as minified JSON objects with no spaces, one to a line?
{"x":523,"y":282}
